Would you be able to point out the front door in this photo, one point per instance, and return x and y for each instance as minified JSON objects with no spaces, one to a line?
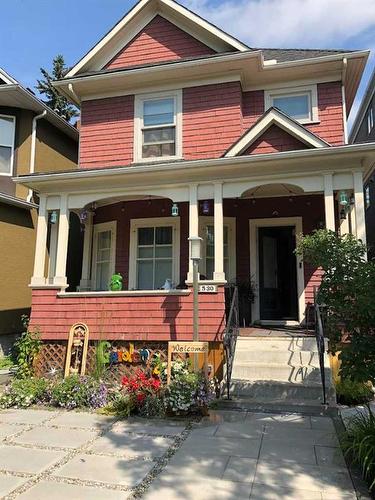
{"x":277,"y":273}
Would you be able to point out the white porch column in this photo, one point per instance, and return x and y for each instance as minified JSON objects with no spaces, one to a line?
{"x":52,"y":251}
{"x":219,"y":274}
{"x":359,"y":206}
{"x":85,"y":283}
{"x":193,"y":221}
{"x":38,"y":278}
{"x":329,"y":202}
{"x":62,"y":243}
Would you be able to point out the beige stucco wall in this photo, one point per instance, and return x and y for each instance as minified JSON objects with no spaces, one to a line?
{"x":54,"y":150}
{"x":17,"y":239}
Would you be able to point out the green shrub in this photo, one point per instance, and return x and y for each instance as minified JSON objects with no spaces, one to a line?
{"x":6,"y":362}
{"x":119,"y":404}
{"x":79,"y":392}
{"x":152,"y":406}
{"x":359,"y":444}
{"x":26,"y":349}
{"x":353,"y":393}
{"x":25,"y":392}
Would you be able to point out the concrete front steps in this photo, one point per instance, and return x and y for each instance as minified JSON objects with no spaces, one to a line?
{"x":280,"y":372}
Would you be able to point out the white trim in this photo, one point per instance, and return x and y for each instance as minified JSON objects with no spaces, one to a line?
{"x":255,"y":224}
{"x":9,"y":80}
{"x":135,"y":224}
{"x":10,"y":173}
{"x":309,"y":90}
{"x":275,"y":117}
{"x":336,"y":77}
{"x":99,"y":228}
{"x":175,"y":8}
{"x":176,"y":95}
{"x":230,"y":222}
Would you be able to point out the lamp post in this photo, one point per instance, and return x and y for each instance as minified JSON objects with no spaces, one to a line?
{"x":195,"y":256}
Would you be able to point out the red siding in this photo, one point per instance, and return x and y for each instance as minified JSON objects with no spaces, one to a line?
{"x":274,"y":140}
{"x":331,"y":119}
{"x":212,"y":119}
{"x":159,"y":41}
{"x":252,"y":108}
{"x":106,"y":133}
{"x":128,"y":318}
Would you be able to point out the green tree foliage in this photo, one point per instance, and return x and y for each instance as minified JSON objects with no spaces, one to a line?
{"x":54,"y":99}
{"x":348,"y":292}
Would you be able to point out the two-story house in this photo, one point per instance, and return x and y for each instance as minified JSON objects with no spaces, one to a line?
{"x":363,"y":130}
{"x":33,"y":138}
{"x":187,"y":131}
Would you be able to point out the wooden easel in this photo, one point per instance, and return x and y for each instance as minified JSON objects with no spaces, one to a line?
{"x":78,"y":343}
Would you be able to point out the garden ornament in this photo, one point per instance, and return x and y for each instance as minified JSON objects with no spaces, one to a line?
{"x":115,"y":284}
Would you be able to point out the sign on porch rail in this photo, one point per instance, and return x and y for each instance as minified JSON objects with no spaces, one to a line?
{"x":187,"y":348}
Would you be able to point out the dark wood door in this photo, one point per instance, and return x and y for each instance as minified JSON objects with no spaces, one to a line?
{"x":277,"y":273}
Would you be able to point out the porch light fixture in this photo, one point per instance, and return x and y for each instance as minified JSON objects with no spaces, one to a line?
{"x":83,"y":216}
{"x":206,"y":207}
{"x":343,"y":199}
{"x":53,"y":217}
{"x":342,"y":214}
{"x":174,"y":211}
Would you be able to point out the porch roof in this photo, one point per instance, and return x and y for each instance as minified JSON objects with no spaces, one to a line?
{"x":302,"y":162}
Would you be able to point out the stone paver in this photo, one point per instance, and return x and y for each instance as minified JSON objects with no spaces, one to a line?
{"x":229,"y":455}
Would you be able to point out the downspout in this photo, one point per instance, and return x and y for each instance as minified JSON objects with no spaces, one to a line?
{"x":33,"y":147}
{"x":343,"y":78}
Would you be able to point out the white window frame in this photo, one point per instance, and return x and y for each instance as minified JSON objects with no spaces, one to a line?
{"x":10,"y":173}
{"x":138,"y":124}
{"x":310,"y":90}
{"x":230,"y":222}
{"x":136,"y":224}
{"x":367,"y":196}
{"x":370,"y":120}
{"x":99,"y":228}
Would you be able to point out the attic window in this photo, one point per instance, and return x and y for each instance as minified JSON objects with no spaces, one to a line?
{"x":158,"y":126}
{"x":7,"y":131}
{"x":299,"y":103}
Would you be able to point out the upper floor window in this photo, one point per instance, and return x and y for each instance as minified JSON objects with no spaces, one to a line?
{"x":367,"y":196}
{"x":7,"y":131}
{"x":370,"y":120}
{"x":299,"y":103}
{"x":158,"y":124}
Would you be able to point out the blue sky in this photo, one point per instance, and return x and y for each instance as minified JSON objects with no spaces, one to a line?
{"x":34,"y":31}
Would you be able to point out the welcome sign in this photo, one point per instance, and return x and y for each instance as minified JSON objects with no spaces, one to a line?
{"x":187,"y":348}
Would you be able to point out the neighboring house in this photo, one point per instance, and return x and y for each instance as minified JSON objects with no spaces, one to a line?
{"x":185,"y":132}
{"x":32,"y":139}
{"x":363,"y":130}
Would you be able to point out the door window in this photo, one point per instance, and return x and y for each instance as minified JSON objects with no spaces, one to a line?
{"x":103,"y":255}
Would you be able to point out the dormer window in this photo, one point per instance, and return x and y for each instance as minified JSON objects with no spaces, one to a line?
{"x":158,"y":126}
{"x":299,"y":103}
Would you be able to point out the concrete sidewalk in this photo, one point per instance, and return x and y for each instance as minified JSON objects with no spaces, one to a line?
{"x":229,"y":455}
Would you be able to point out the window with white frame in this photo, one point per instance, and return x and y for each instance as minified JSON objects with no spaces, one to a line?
{"x":104,"y":255}
{"x":207,"y":233}
{"x":367,"y":196}
{"x":154,"y":253}
{"x":7,"y":133}
{"x":158,"y":122}
{"x":299,"y":103}
{"x":370,"y":120}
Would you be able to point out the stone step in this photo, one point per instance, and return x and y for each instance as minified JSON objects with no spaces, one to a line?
{"x":265,"y":390}
{"x":292,"y":358}
{"x":306,"y":375}
{"x":303,"y":407}
{"x":284,"y":344}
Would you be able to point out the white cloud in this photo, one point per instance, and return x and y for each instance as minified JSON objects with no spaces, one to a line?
{"x":289,"y":23}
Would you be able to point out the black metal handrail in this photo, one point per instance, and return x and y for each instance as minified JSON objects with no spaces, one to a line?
{"x":230,"y":337}
{"x":320,"y":341}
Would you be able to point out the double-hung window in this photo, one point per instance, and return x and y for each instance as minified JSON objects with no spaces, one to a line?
{"x":154,"y":253}
{"x":299,"y":103}
{"x":7,"y":133}
{"x":158,"y":126}
{"x":104,"y":249}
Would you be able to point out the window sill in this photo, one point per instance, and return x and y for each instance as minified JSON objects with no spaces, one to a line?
{"x":156,"y":159}
{"x":124,"y":293}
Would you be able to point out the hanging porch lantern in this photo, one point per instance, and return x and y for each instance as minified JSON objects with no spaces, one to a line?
{"x":206,"y":207}
{"x":174,"y":211}
{"x":343,"y":199}
{"x":83,"y":216}
{"x":53,"y":217}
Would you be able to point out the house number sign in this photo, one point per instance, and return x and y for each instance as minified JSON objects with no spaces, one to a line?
{"x":207,"y":288}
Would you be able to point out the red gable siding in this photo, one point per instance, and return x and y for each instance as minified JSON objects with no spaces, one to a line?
{"x":331,"y":119}
{"x":274,"y":140}
{"x":212,"y":119}
{"x":159,"y":41}
{"x":106,"y":133}
{"x":252,"y":108}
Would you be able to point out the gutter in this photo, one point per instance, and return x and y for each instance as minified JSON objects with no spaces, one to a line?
{"x":33,"y":148}
{"x":17,"y":202}
{"x":192,"y":164}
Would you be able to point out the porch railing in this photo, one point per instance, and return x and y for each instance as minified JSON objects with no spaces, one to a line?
{"x":230,"y":334}
{"x":320,"y":341}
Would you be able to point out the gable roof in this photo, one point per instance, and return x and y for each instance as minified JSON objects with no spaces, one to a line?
{"x":138,"y":17}
{"x":360,"y":116}
{"x":284,"y":55}
{"x":274,"y":116}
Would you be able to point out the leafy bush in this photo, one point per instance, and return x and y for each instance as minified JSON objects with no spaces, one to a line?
{"x":353,"y":393}
{"x":22,"y":393}
{"x":79,"y":392}
{"x":6,"y":362}
{"x":140,"y":386}
{"x":348,"y":293}
{"x":152,"y":406}
{"x":359,"y":444}
{"x":188,"y":393}
{"x":26,"y":349}
{"x":119,"y":404}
